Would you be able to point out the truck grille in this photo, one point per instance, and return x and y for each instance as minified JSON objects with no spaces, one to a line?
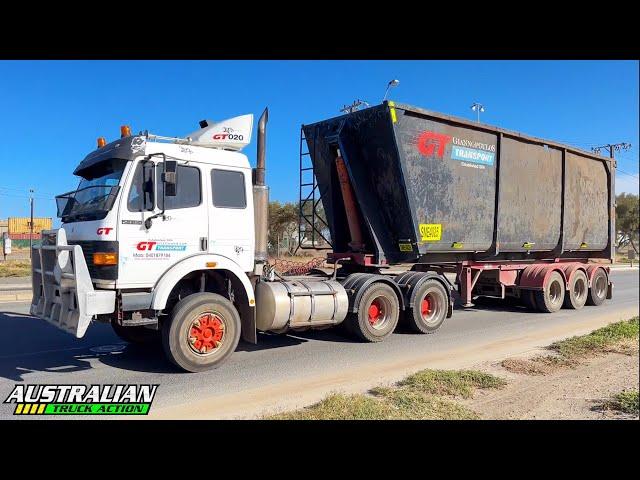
{"x":103,"y":272}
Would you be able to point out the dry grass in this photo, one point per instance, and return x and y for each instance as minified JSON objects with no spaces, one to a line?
{"x":619,"y":337}
{"x":625,"y":402}
{"x":417,"y":397}
{"x":541,"y":365}
{"x":15,"y":268}
{"x":451,"y":382}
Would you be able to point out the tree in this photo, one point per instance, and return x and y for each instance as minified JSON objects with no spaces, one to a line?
{"x":627,"y":219}
{"x":283,"y":224}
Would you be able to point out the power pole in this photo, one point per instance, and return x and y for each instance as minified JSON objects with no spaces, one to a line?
{"x":31,"y":225}
{"x":612,"y":147}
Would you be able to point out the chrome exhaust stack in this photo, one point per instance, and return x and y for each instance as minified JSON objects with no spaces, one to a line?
{"x":261,"y":196}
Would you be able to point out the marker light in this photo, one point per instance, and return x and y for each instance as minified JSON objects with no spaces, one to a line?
{"x":125,"y":131}
{"x":101,"y":142}
{"x":110,"y":258}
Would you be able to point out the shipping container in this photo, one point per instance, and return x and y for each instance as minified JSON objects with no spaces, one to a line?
{"x":22,"y":225}
{"x":435,"y":188}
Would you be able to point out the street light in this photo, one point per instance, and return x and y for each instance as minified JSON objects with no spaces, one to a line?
{"x":477,"y":107}
{"x":391,"y":84}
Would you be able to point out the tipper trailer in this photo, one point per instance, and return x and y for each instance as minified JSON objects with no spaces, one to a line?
{"x":166,"y":238}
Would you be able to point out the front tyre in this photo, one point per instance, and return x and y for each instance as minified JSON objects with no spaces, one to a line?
{"x":201,"y":332}
{"x":430,"y":307}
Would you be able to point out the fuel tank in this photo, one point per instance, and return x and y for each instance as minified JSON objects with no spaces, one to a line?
{"x":300,"y":304}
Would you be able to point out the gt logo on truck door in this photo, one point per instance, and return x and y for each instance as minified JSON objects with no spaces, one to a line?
{"x":145,"y":245}
{"x":104,"y":230}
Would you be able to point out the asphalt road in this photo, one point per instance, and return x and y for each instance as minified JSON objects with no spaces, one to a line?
{"x":33,"y":351}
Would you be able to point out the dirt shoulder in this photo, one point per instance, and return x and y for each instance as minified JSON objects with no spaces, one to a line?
{"x":587,"y":377}
{"x":577,"y":392}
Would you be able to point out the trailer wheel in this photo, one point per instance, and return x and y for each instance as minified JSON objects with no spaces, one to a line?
{"x":551,"y":297}
{"x":576,"y":297}
{"x":377,"y":316}
{"x":598,"y":290}
{"x":136,"y":335}
{"x":430,"y":307}
{"x":528,"y":298}
{"x":201,"y":332}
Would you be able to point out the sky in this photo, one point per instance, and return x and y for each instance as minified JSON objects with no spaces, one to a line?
{"x":53,"y":111}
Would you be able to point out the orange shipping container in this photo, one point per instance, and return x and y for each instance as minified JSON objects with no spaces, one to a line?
{"x":21,"y":225}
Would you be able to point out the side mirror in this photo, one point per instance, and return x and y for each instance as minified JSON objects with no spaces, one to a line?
{"x":170,"y":177}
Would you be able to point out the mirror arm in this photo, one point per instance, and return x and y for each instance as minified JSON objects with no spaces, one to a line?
{"x":149,"y":221}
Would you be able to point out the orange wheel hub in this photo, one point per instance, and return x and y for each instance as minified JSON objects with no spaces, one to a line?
{"x":425,"y":307}
{"x":375,"y":312}
{"x":206,"y":333}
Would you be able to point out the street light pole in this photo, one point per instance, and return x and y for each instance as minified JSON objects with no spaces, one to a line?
{"x":477,"y":107}
{"x":31,"y":225}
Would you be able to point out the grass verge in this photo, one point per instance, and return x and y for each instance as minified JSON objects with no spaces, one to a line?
{"x":619,"y":337}
{"x":417,"y":397}
{"x":626,"y":402}
{"x":15,"y":268}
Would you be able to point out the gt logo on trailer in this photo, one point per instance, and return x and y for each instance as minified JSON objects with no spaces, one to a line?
{"x":145,"y":245}
{"x":104,"y":230}
{"x":428,"y":141}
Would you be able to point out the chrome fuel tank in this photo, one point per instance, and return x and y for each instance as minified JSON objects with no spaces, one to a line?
{"x":299,"y":304}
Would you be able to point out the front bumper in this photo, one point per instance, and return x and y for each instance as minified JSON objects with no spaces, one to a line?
{"x":63,"y":293}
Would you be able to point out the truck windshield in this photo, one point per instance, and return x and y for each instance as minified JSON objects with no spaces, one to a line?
{"x":96,"y":192}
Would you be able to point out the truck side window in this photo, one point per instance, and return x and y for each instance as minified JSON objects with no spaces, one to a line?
{"x":137,"y":201}
{"x":228,"y":189}
{"x":188,"y":188}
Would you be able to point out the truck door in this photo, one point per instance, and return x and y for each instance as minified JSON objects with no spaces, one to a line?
{"x":231,"y":215}
{"x":146,"y":254}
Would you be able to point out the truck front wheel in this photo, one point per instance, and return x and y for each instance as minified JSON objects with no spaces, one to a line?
{"x":201,"y":332}
{"x":377,"y":316}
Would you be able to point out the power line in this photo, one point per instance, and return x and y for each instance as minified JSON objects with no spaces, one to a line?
{"x":612,"y":147}
{"x":635,"y":175}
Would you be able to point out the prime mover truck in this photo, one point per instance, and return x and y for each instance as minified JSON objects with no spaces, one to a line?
{"x":166,"y":238}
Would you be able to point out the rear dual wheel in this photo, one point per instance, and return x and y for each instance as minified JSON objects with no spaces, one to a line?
{"x":429,"y":308}
{"x":377,"y":316}
{"x":551,"y":297}
{"x":598,"y":291}
{"x":576,"y":296}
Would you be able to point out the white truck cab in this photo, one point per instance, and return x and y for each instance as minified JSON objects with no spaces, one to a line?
{"x":153,"y":220}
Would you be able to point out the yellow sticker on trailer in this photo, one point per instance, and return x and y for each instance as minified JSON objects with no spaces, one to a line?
{"x":392,"y":109}
{"x":431,"y":232}
{"x":405,"y":247}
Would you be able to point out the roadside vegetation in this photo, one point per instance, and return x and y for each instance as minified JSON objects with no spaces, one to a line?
{"x":620,"y":337}
{"x":15,"y":268}
{"x":625,"y":402}
{"x":425,"y":395}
